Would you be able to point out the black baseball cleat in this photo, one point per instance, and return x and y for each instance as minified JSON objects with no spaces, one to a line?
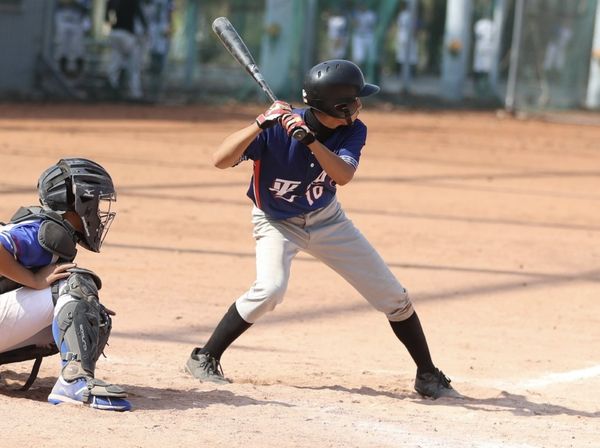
{"x":205,"y":367}
{"x":435,"y":385}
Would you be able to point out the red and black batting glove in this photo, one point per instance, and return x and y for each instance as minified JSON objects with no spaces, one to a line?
{"x":270,"y":117}
{"x":295,"y":126}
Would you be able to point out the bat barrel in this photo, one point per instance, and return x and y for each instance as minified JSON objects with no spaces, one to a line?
{"x":230,"y":38}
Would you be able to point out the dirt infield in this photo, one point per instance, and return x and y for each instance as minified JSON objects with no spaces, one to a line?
{"x":493,"y":225}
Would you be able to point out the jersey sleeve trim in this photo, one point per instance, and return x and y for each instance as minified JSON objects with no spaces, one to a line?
{"x":350,"y":161}
{"x":9,"y":244}
{"x":242,"y":158}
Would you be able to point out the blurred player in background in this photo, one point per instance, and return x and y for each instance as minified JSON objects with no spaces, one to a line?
{"x":483,"y":55}
{"x":558,"y":46}
{"x":406,"y":40}
{"x":364,"y":21}
{"x":72,"y":22}
{"x":126,"y":51}
{"x":159,"y":17}
{"x":337,"y":33}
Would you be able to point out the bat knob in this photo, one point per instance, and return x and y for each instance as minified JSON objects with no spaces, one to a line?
{"x":299,"y":134}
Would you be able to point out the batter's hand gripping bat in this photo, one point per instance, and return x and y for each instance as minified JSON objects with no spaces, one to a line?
{"x":230,"y":38}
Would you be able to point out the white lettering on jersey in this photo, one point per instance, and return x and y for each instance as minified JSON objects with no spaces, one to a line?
{"x":282,"y":187}
{"x":315,"y":189}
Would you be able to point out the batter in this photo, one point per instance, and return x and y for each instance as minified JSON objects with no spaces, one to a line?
{"x":293,"y":188}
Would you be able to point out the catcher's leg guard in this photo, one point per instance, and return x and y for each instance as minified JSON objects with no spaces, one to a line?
{"x":81,"y":328}
{"x":77,"y":331}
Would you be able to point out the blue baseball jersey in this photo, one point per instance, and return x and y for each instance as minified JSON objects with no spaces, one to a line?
{"x":288,"y":179}
{"x":21,"y":240}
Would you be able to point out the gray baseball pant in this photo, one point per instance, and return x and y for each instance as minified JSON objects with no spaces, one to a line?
{"x":328,"y":235}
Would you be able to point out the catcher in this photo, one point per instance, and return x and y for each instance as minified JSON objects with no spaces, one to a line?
{"x":47,"y":304}
{"x":293,"y":188}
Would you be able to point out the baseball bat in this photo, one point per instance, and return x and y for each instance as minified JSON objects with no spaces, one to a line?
{"x":231,"y":40}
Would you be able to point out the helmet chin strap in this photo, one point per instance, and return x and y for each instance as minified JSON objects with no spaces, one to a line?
{"x":347,"y":115}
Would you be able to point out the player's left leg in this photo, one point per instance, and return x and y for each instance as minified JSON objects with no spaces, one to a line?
{"x":81,"y":328}
{"x":355,"y":259}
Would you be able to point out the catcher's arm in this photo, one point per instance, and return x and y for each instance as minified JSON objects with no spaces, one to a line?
{"x":44,"y":277}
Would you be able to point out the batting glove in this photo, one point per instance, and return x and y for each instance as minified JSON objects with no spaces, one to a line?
{"x":294,"y":125}
{"x":270,"y":117}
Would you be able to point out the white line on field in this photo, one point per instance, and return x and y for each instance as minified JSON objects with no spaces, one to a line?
{"x":532,"y":383}
{"x":543,"y":381}
{"x":564,"y":377}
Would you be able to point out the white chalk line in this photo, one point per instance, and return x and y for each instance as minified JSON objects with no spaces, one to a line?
{"x":563,"y":377}
{"x":543,"y":381}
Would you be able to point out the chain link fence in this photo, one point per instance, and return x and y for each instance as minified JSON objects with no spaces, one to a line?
{"x":552,"y":59}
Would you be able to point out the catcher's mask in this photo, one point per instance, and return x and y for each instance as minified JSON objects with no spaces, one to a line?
{"x":334,"y":86}
{"x":84,"y":187}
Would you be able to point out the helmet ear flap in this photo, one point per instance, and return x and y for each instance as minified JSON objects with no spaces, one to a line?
{"x":54,"y":188}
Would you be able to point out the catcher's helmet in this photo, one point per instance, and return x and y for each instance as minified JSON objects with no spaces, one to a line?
{"x":334,"y":86}
{"x":84,"y":187}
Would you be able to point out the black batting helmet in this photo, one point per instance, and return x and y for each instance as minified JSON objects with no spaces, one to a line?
{"x":84,"y":187}
{"x":334,"y":86}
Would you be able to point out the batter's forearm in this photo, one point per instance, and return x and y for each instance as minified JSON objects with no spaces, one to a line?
{"x":336,"y":168}
{"x":232,"y":148}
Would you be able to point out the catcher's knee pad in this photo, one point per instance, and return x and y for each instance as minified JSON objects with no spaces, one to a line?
{"x":81,"y":326}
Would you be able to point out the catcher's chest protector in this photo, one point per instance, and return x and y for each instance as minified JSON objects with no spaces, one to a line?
{"x":55,"y":236}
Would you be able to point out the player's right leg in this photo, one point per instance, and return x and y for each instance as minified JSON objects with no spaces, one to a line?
{"x":25,"y":315}
{"x":274,"y":254}
{"x":354,"y":258}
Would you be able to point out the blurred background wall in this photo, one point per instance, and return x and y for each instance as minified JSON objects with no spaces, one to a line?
{"x":538,"y":54}
{"x":25,"y":31}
